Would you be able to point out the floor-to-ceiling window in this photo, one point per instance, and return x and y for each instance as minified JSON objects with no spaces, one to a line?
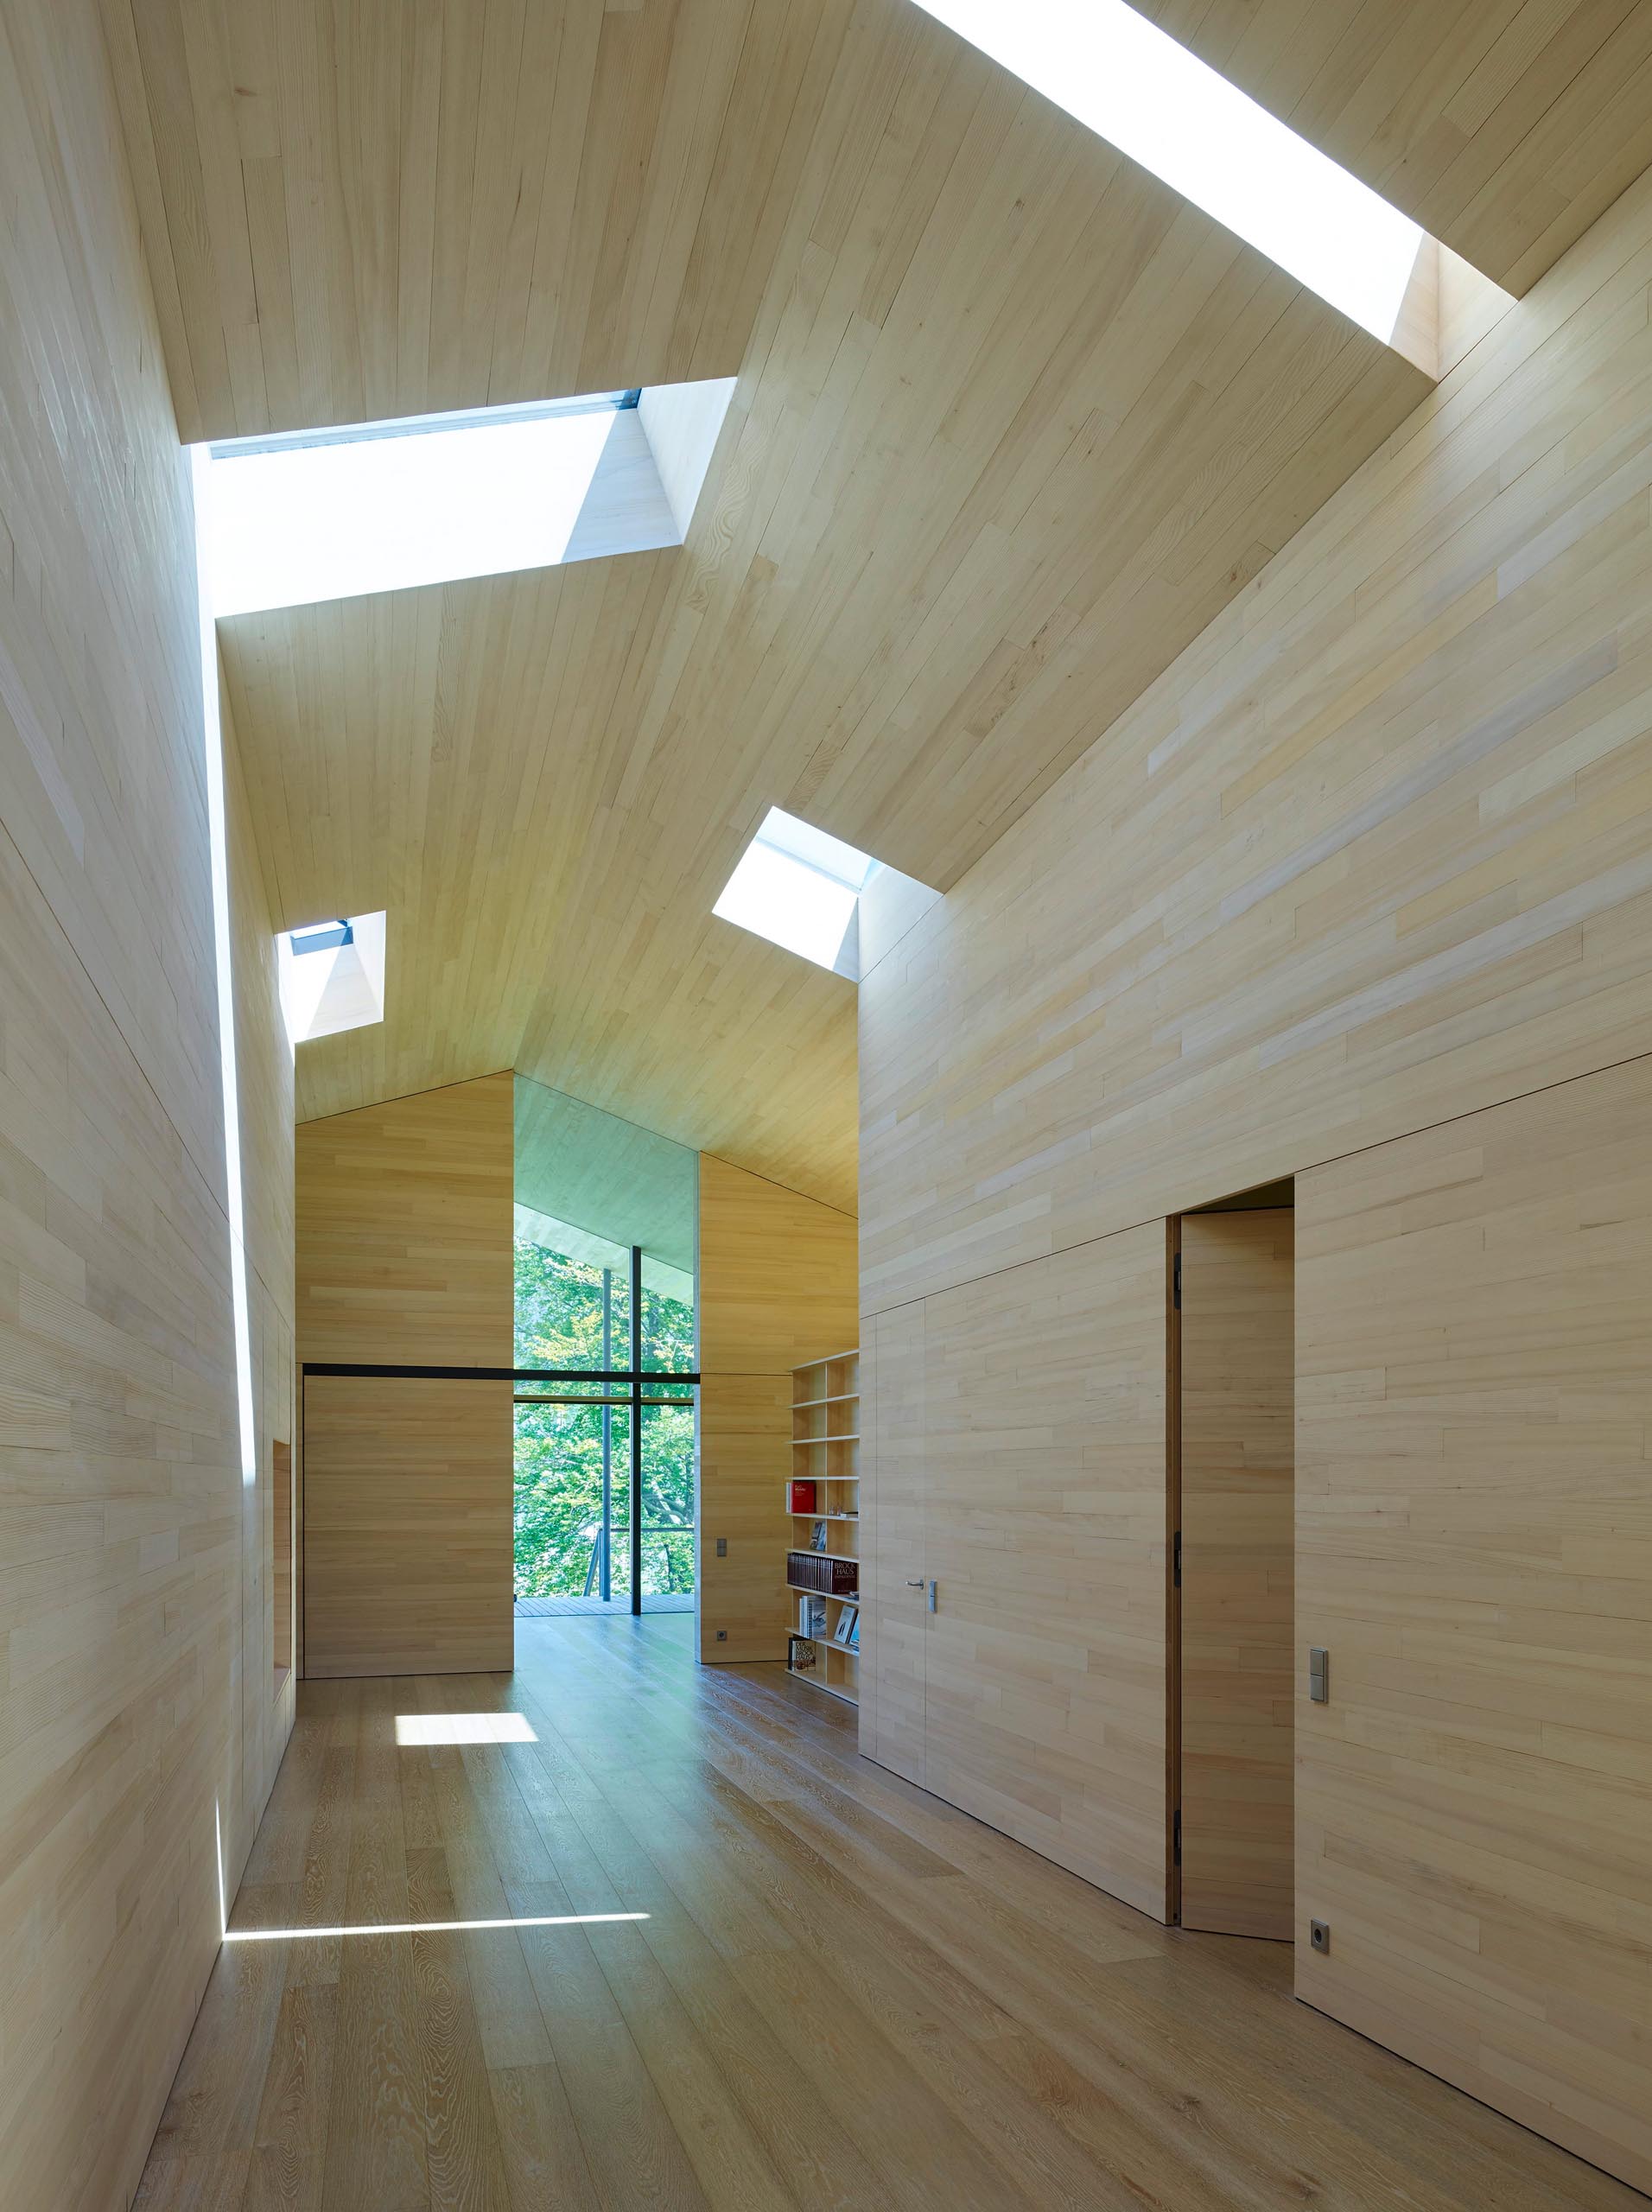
{"x":606,"y":1470}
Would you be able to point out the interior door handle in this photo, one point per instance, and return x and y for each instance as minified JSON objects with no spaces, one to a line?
{"x":916,"y":1584}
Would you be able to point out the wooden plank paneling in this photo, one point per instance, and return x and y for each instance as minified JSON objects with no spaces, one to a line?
{"x":776,"y":1287}
{"x":1474,"y":1531}
{"x":404,"y":1230}
{"x":406,"y":1526}
{"x":140,"y":1729}
{"x":1044,"y":1668}
{"x":1504,"y":129}
{"x":404,"y":1259}
{"x":1372,"y":853}
{"x":1238,"y":1540}
{"x":1013,"y":421}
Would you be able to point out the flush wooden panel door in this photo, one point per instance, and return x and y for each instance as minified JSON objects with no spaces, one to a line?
{"x":893,"y":1540}
{"x":1045,"y":1708}
{"x":1237,"y":1540}
{"x":1474,"y":1522}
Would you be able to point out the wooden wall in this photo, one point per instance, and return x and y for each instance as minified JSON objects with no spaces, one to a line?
{"x":777,"y":1287}
{"x":404,"y":1230}
{"x":1474,"y":1533}
{"x":404,"y":1259}
{"x":140,"y":1722}
{"x":408,"y":1527}
{"x":1374,"y":853}
{"x":1375,"y":850}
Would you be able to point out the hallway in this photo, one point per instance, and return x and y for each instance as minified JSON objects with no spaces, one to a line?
{"x":834,"y":1993}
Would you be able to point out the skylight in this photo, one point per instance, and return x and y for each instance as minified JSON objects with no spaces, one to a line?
{"x":1134,"y":85}
{"x":331,"y":976}
{"x":799,"y":889}
{"x":386,"y":506}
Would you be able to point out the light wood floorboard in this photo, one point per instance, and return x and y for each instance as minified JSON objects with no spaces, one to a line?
{"x":846,"y":1994}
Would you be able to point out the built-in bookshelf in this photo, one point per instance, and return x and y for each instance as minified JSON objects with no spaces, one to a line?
{"x":823,"y":1558}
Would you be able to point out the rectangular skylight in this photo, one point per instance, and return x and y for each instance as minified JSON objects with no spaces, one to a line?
{"x":331,"y":974}
{"x":800,"y":888}
{"x":387,"y":506}
{"x":1134,"y":85}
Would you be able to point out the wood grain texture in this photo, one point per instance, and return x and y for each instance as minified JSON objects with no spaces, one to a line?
{"x":846,"y":1997}
{"x":404,"y":1258}
{"x":1238,"y":1504}
{"x":1013,"y":421}
{"x":1503,"y":130}
{"x":406,"y":1526}
{"x":404,"y":1230}
{"x":1029,"y":1464}
{"x":1372,"y":853}
{"x":1474,"y":1533}
{"x":776,"y":1286}
{"x":139,"y":1729}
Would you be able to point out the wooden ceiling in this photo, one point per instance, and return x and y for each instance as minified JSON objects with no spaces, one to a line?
{"x":1503,"y":127}
{"x":1013,"y":423}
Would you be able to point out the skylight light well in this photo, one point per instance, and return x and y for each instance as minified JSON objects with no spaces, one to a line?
{"x":1132,"y":85}
{"x":333,"y":513}
{"x":801,"y":889}
{"x":331,"y":974}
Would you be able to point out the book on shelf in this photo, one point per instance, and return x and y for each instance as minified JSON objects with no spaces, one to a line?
{"x":847,"y":1629}
{"x":802,"y":1497}
{"x":817,"y":1537}
{"x":811,"y":1617}
{"x":838,"y":1577}
{"x":800,"y":1654}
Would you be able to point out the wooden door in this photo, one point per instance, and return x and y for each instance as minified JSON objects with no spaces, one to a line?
{"x":1474,"y":1525}
{"x":406,"y":1526}
{"x":1044,"y":1693}
{"x":893,"y":1541}
{"x":1238,"y":1504}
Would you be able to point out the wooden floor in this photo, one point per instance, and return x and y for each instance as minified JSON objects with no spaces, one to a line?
{"x":844,"y":1994}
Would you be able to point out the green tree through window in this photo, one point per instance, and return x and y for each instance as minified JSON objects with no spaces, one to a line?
{"x":559,"y":1448}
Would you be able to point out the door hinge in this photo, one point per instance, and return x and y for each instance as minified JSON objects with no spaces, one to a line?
{"x":1176,"y":1837}
{"x":1176,"y":1559}
{"x":1176,"y":1282}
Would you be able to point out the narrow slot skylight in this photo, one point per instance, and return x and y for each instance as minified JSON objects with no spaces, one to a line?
{"x":333,"y":513}
{"x":1134,"y":85}
{"x":799,"y":889}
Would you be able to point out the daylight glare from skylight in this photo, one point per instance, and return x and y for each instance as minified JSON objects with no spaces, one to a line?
{"x":798,"y":888}
{"x":1134,"y":85}
{"x":294,"y":522}
{"x":331,"y":976}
